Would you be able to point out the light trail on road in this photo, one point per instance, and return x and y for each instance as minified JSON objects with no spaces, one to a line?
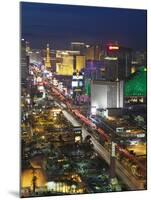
{"x":128,"y":179}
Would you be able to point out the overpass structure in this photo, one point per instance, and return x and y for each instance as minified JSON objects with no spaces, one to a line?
{"x":133,"y":182}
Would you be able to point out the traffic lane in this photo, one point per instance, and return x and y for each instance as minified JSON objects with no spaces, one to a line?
{"x":130,"y":181}
{"x":103,"y":153}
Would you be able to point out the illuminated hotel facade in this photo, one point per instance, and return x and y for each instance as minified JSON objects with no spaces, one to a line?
{"x":47,"y":59}
{"x":107,"y":94}
{"x":24,"y":61}
{"x":68,"y":62}
{"x":117,"y":62}
{"x":92,"y":52}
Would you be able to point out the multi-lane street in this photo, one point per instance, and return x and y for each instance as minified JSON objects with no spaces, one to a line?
{"x":53,"y":117}
{"x":132,"y":182}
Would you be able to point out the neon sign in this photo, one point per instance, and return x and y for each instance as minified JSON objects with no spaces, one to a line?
{"x":113,"y":47}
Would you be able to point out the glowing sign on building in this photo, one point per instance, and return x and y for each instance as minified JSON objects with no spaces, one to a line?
{"x":110,"y":58}
{"x":113,"y":47}
{"x":136,"y":85}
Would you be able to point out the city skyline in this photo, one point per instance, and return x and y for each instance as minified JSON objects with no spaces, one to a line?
{"x":59,"y":25}
{"x":83,"y":100}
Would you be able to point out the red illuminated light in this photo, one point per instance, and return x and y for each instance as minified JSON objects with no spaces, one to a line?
{"x":113,"y":47}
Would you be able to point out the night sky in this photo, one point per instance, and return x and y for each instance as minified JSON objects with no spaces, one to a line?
{"x":61,"y":24}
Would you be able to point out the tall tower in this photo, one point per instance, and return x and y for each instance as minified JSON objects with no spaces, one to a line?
{"x":47,"y":60}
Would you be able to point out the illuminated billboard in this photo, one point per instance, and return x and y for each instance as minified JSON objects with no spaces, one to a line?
{"x":113,"y":47}
{"x":74,"y":84}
